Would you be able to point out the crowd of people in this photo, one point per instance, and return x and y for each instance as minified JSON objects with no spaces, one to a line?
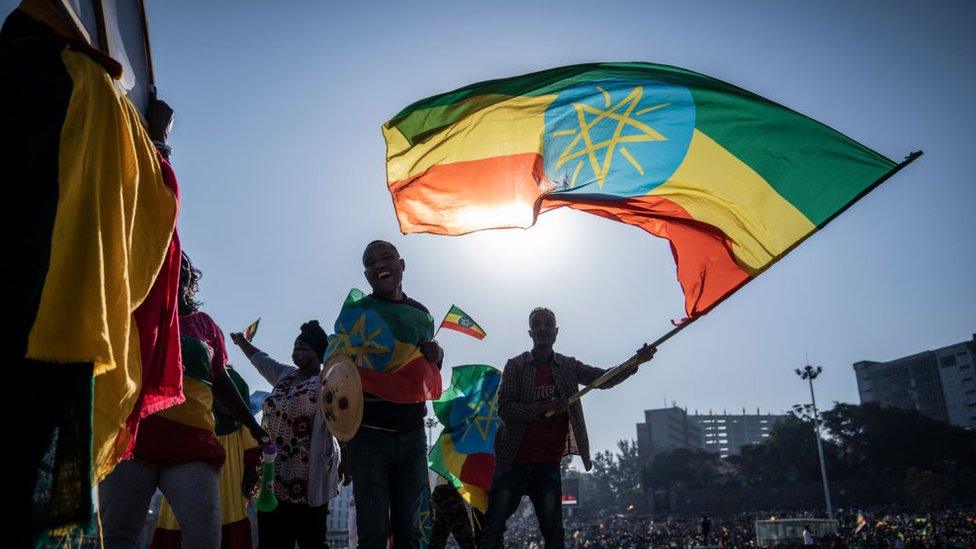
{"x":888,"y":526}
{"x":903,"y":527}
{"x":126,"y":381}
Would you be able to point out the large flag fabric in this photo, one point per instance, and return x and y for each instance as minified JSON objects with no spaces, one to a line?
{"x":734,"y":181}
{"x":459,"y":321}
{"x":383,"y":339}
{"x":464,"y":452}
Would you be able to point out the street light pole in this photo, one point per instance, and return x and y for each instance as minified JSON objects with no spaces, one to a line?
{"x":810,"y":373}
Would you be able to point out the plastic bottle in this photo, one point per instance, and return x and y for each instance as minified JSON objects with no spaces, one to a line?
{"x":267,"y":501}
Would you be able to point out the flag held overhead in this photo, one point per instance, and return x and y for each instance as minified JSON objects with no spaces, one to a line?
{"x":734,"y":181}
{"x":251,"y":329}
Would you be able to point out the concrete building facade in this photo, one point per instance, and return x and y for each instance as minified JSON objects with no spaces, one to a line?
{"x":665,"y":429}
{"x":939,"y":384}
{"x":726,"y":434}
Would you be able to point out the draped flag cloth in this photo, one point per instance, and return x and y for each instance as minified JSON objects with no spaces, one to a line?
{"x":93,"y":346}
{"x":464,"y":452}
{"x":732,"y":180}
{"x":383,"y":339}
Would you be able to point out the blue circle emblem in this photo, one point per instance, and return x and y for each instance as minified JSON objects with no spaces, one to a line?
{"x":616,"y":138}
{"x":479,"y":417}
{"x":365,"y":337}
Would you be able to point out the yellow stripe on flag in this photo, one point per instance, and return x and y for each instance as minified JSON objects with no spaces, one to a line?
{"x":453,"y":318}
{"x":509,"y":127}
{"x":717,"y":188}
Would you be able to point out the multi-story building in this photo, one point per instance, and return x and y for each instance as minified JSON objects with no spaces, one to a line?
{"x":666,"y":429}
{"x":940,"y":384}
{"x":725,"y":434}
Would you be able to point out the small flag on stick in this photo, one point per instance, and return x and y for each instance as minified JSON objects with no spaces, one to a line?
{"x":459,"y":321}
{"x":251,"y":330}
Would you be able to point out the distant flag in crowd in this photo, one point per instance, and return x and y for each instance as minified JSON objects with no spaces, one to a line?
{"x":251,"y":330}
{"x":861,"y":523}
{"x":459,"y":321}
{"x":464,"y":452}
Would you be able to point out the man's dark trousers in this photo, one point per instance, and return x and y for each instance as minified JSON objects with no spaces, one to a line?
{"x":389,"y":472}
{"x":542,"y":483}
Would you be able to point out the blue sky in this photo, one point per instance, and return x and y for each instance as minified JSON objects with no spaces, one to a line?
{"x":278,"y":148}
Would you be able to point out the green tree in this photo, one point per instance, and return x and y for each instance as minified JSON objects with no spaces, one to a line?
{"x":599,"y":479}
{"x":877,"y":441}
{"x":625,"y":482}
{"x":615,"y":480}
{"x":684,"y":466}
{"x":788,"y":455}
{"x":927,"y":487}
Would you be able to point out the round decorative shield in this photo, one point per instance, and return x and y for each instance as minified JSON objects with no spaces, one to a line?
{"x":342,"y":397}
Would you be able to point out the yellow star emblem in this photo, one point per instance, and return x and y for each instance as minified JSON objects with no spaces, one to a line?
{"x":362,"y":353}
{"x":582,"y":144}
{"x":486,"y":415}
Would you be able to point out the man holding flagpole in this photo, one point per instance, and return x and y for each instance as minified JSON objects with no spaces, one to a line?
{"x":540,"y":426}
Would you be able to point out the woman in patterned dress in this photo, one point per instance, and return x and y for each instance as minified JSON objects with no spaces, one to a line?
{"x":306,"y":467}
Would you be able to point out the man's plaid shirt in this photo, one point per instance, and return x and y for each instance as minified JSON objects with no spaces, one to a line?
{"x":515,"y":406}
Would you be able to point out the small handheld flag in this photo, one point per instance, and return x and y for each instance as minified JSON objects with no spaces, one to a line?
{"x":251,"y":330}
{"x":459,"y":321}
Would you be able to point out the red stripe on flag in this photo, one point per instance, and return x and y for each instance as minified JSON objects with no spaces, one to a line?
{"x":469,"y":196}
{"x":415,"y":381}
{"x":707,"y":271}
{"x":477,"y":470}
{"x":464,"y":330}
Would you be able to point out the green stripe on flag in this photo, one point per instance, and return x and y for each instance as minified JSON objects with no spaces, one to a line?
{"x":772,"y":140}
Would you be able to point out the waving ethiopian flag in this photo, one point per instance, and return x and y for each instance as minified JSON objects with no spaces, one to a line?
{"x":383,"y":339}
{"x":464,"y":454}
{"x":732,"y":180}
{"x":460,"y":321}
